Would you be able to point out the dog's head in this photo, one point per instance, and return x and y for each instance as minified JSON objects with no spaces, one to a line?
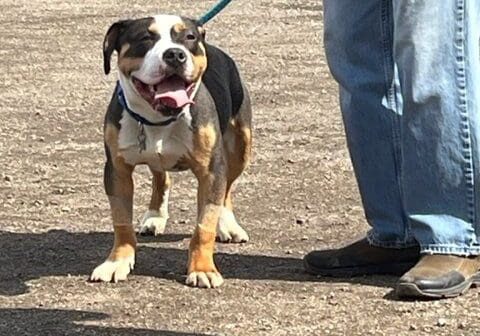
{"x":160,"y":59}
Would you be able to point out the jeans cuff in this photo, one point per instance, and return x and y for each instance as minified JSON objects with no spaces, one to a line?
{"x":394,"y":244}
{"x":463,"y":251}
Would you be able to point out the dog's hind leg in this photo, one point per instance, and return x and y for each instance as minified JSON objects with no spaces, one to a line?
{"x":238,"y":145}
{"x":155,"y":219}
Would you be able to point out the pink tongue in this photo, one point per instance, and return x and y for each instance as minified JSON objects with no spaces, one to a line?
{"x":173,"y":93}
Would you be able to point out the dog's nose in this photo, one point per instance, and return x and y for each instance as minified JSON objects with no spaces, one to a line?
{"x":174,"y":57}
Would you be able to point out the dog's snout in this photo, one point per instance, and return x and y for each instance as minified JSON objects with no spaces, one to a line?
{"x":174,"y":57}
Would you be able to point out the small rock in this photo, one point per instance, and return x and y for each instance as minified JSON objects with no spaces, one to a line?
{"x":441,"y":322}
{"x":301,"y":220}
{"x":7,"y":178}
{"x":66,"y":209}
{"x":304,"y":238}
{"x":462,"y":325}
{"x":288,"y":252}
{"x":59,"y":191}
{"x":413,"y":327}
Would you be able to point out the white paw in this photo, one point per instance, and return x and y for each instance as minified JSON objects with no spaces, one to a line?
{"x":204,"y":280}
{"x":113,"y":270}
{"x":229,"y":231}
{"x":152,"y":223}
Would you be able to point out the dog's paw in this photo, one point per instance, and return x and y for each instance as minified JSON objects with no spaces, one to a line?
{"x":204,"y":279}
{"x":228,"y":230}
{"x":115,"y":271}
{"x":152,"y":224}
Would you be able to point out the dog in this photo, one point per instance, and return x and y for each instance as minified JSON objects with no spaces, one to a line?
{"x":179,"y":104}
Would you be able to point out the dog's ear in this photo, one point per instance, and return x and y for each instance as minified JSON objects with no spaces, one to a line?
{"x":110,"y":43}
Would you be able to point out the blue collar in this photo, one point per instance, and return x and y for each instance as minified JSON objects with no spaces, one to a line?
{"x":136,"y":116}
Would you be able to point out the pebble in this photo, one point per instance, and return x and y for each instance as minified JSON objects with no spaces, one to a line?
{"x":441,"y":322}
{"x":301,"y":221}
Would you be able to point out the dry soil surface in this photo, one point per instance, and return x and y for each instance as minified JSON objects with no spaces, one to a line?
{"x":298,"y":194}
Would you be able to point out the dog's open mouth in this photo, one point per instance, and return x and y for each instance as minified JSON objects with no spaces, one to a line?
{"x":172,"y":92}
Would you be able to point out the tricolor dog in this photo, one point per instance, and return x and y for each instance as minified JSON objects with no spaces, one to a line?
{"x":179,"y":104}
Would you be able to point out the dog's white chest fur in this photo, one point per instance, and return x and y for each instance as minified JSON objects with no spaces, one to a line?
{"x":164,"y":145}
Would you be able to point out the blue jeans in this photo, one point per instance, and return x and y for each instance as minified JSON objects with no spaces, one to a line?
{"x":409,"y":76}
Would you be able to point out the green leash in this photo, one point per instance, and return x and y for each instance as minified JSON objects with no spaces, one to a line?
{"x":214,"y":11}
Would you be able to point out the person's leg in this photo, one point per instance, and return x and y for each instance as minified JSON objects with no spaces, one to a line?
{"x":358,"y":43}
{"x":436,"y":49}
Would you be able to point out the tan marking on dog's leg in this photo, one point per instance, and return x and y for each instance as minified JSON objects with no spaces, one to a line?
{"x":204,"y":143}
{"x":202,"y":271}
{"x":155,"y":219}
{"x":119,"y":187}
{"x":209,"y":168}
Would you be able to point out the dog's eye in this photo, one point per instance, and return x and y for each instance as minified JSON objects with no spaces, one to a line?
{"x":190,"y":37}
{"x":146,"y":38}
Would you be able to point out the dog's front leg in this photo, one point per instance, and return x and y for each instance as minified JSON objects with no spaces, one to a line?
{"x":211,"y":174}
{"x":119,"y":188}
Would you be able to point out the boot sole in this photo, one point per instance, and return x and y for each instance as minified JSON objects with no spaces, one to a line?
{"x":411,"y":290}
{"x":348,"y":272}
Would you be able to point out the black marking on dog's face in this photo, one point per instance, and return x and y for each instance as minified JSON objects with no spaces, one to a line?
{"x":133,"y":37}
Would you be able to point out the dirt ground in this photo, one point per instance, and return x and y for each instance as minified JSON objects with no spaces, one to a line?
{"x":298,"y":194}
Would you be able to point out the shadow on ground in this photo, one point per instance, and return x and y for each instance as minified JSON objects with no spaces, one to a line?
{"x":34,"y":322}
{"x":26,"y":256}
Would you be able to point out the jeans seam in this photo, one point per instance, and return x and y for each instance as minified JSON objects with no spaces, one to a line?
{"x":463,"y":109}
{"x":392,"y":102}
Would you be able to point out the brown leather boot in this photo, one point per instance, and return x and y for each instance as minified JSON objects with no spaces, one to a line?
{"x":439,"y":276}
{"x":361,"y":258}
